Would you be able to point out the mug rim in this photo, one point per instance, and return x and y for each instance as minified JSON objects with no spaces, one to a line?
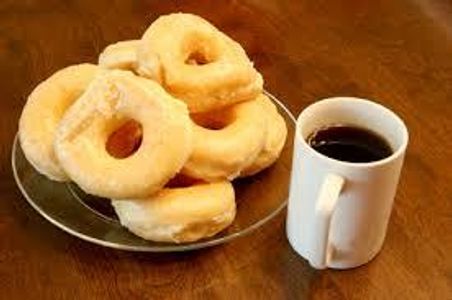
{"x":375,"y":105}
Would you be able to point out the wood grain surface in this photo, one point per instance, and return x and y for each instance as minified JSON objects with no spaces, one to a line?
{"x":398,"y":52}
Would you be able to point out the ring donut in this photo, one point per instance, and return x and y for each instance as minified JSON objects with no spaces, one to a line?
{"x":120,"y":55}
{"x":230,"y":140}
{"x":42,"y":112}
{"x":197,"y":63}
{"x":276,"y":138}
{"x":113,"y":98}
{"x":179,"y":215}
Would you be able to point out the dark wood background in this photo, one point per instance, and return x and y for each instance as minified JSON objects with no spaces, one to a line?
{"x":398,"y":52}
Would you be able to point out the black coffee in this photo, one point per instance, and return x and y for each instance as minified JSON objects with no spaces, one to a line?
{"x":351,"y":144}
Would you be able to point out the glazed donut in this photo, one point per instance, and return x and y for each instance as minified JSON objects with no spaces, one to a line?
{"x":276,"y":138}
{"x":42,"y":112}
{"x":113,"y":98}
{"x":232,"y":140}
{"x":120,"y":55}
{"x":179,"y":215}
{"x":197,"y":63}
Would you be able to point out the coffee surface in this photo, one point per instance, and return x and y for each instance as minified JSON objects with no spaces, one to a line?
{"x":350,"y":144}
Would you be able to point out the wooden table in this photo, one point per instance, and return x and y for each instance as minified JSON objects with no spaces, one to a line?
{"x":398,"y":52}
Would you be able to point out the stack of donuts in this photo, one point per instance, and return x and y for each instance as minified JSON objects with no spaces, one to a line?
{"x":161,"y":126}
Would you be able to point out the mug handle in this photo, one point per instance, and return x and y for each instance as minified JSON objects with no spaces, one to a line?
{"x":324,"y":209}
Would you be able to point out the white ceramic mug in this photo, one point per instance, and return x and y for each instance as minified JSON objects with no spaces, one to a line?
{"x":338,"y":211}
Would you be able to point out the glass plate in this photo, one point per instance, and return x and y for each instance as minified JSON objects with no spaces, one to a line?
{"x":259,"y":198}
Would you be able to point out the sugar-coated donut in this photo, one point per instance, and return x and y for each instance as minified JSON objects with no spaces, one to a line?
{"x":197,"y":63}
{"x":120,"y":55}
{"x":179,"y":215}
{"x":237,"y":137}
{"x":276,"y":138}
{"x":113,"y":98}
{"x":42,"y":112}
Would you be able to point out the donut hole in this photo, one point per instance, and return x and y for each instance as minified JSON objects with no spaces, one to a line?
{"x":197,"y":58}
{"x":125,"y":140}
{"x":199,"y":49}
{"x":214,"y":120}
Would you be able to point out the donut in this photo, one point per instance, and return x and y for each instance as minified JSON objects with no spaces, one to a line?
{"x":226,"y":141}
{"x":111,"y":100}
{"x":44,"y":108}
{"x":275,"y":140}
{"x":197,"y":63}
{"x":120,"y":55}
{"x":179,"y":215}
